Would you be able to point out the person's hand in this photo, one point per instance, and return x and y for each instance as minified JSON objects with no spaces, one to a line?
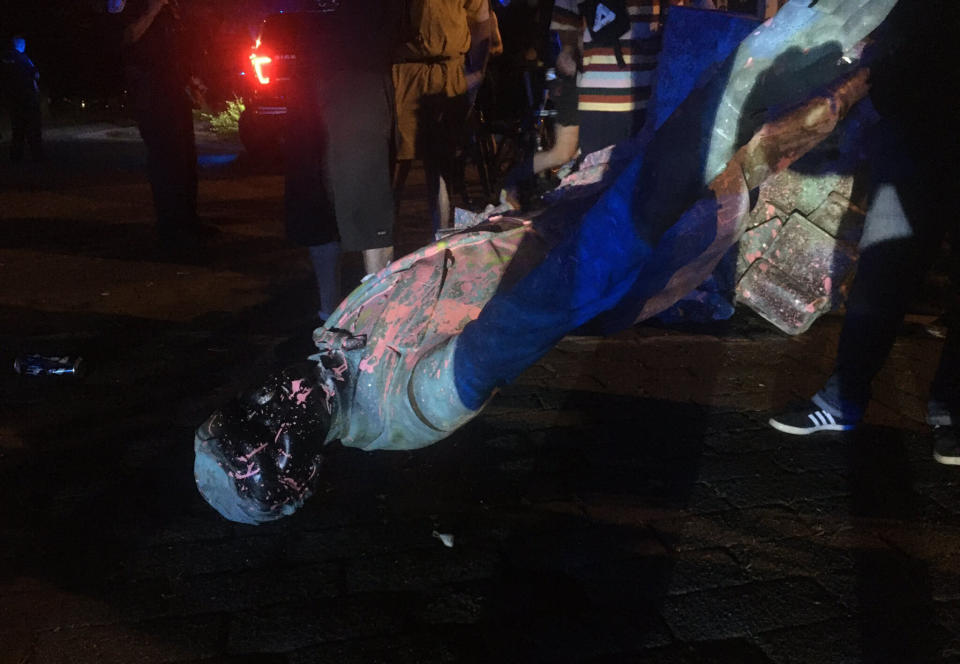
{"x":566,"y":64}
{"x":474,"y":79}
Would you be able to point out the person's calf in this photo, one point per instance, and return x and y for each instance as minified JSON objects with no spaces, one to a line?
{"x":375,"y":260}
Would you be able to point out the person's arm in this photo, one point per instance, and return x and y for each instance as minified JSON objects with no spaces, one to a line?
{"x":568,"y":57}
{"x":139,"y":26}
{"x":566,"y":22}
{"x":496,"y":39}
{"x":34,"y":71}
{"x":476,"y":61}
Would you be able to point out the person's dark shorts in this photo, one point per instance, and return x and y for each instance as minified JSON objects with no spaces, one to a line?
{"x":598,"y":129}
{"x":338,"y":164}
{"x":565,"y":97}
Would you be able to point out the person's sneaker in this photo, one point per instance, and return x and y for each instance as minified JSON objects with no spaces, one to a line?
{"x":946,"y":446}
{"x":809,"y":418}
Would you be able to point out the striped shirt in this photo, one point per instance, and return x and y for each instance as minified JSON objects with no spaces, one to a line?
{"x":604,"y":85}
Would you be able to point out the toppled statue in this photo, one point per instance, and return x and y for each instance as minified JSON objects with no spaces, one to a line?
{"x":415,"y":352}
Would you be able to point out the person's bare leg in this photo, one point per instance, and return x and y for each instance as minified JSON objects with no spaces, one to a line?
{"x":438,"y":198}
{"x":375,"y":260}
{"x":444,"y":208}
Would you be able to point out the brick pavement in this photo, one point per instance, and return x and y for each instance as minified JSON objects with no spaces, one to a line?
{"x":623,"y":501}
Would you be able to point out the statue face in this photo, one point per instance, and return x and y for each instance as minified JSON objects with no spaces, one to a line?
{"x":19,"y":44}
{"x":257,"y":458}
{"x":116,"y":6}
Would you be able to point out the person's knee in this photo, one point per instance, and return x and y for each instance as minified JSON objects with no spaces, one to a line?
{"x":376,"y":259}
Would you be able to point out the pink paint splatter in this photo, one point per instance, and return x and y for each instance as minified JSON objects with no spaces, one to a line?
{"x":252,"y":469}
{"x":246,"y":458}
{"x":368,"y":364}
{"x":301,"y":395}
{"x":339,"y":371}
{"x":827,"y":284}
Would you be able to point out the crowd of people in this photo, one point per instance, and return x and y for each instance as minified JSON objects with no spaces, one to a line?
{"x":400,"y":79}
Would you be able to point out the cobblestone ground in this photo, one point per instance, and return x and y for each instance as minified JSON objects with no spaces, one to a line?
{"x":623,"y":501}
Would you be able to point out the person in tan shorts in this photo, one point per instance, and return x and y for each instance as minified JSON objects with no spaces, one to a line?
{"x":441,"y":57}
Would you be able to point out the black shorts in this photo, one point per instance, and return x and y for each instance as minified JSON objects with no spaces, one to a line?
{"x":338,"y":164}
{"x":598,"y":129}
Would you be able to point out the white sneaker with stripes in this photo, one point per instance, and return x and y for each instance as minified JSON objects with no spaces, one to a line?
{"x":809,"y":418}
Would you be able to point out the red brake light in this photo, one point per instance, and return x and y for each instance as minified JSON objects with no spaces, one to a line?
{"x":258,"y":62}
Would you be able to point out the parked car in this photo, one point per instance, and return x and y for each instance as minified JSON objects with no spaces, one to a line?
{"x":311,"y":40}
{"x":269,"y":73}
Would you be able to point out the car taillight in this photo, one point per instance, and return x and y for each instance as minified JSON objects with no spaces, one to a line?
{"x":259,"y":63}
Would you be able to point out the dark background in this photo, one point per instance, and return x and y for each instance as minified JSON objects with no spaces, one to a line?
{"x":76,"y":46}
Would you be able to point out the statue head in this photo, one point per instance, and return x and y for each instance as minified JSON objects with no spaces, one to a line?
{"x":257,"y":458}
